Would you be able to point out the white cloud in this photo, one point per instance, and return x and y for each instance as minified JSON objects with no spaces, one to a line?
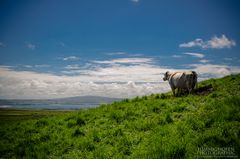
{"x":75,"y":66}
{"x":116,"y":80}
{"x":122,"y":77}
{"x":36,"y":66}
{"x":116,"y":53}
{"x":124,"y":53}
{"x":71,"y":58}
{"x":214,"y":43}
{"x":204,"y":61}
{"x":221,"y":42}
{"x":102,"y":82}
{"x":31,"y":46}
{"x":213,"y":70}
{"x":126,"y":61}
{"x":196,"y":42}
{"x":198,"y":55}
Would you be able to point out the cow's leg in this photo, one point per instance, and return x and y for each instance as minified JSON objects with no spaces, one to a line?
{"x":190,"y":90}
{"x":182,"y":91}
{"x":174,"y":94}
{"x":191,"y":87}
{"x":188,"y":84}
{"x":179,"y":91}
{"x":173,"y":90}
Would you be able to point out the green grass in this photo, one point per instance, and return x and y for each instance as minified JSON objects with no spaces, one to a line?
{"x":8,"y":116}
{"x":155,"y":126}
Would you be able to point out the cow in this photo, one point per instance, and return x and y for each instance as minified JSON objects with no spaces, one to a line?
{"x":181,"y":80}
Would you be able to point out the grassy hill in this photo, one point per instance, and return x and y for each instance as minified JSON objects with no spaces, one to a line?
{"x":155,"y":126}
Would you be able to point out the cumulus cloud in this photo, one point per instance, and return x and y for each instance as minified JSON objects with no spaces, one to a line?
{"x":139,"y":77}
{"x":123,"y":77}
{"x":213,"y":70}
{"x":196,"y":42}
{"x":221,"y":42}
{"x":214,"y":43}
{"x":27,"y":84}
{"x":198,"y":55}
{"x":71,"y":58}
{"x":31,"y":46}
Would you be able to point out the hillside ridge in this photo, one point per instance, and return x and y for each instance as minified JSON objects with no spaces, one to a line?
{"x":155,"y":126}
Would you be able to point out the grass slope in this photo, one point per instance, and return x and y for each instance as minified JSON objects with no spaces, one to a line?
{"x":8,"y":116}
{"x":156,"y":126}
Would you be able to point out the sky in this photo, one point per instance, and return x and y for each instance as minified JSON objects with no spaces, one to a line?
{"x":113,"y":48}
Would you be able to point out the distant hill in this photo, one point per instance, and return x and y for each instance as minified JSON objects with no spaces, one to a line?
{"x":86,"y":99}
{"x":205,"y":124}
{"x":70,"y":100}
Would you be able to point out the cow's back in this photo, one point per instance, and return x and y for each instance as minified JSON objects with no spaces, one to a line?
{"x":177,"y":80}
{"x":183,"y":80}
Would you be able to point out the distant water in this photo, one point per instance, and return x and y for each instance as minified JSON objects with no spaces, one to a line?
{"x":50,"y":106}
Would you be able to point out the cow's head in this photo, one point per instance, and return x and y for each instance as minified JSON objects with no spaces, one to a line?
{"x":166,"y":76}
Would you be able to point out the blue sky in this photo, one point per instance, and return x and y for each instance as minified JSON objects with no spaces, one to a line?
{"x":113,"y":46}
